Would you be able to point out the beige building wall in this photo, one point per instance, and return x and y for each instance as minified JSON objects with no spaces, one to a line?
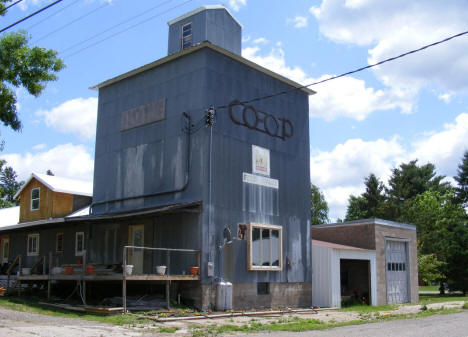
{"x":381,"y":233}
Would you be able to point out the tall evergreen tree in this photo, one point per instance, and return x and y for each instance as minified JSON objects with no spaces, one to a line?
{"x":318,"y":206}
{"x":406,"y":182}
{"x":374,"y":197}
{"x":461,"y":191}
{"x":8,"y":185}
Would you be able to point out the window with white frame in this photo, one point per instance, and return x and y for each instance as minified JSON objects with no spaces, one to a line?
{"x":186,"y":35}
{"x":33,"y":244}
{"x":79,"y":243}
{"x":59,"y":243}
{"x":35,"y":195}
{"x":264,"y":247}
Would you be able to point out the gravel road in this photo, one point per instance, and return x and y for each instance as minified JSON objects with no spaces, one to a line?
{"x":454,"y":325}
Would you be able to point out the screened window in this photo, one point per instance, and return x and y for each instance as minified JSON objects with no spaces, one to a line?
{"x":79,"y":243}
{"x":35,"y":194}
{"x":59,"y":243}
{"x":186,"y":35}
{"x":33,"y":244}
{"x":265,"y":247}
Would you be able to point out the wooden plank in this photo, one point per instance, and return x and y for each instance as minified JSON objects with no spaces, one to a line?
{"x":152,"y":277}
{"x":33,"y":277}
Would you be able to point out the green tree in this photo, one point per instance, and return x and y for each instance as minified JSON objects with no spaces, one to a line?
{"x":356,"y":208}
{"x":442,"y":231}
{"x":22,"y":66}
{"x":408,"y":181}
{"x":8,"y":185}
{"x":430,"y":268}
{"x":369,"y":204}
{"x":461,"y":191}
{"x":318,"y":206}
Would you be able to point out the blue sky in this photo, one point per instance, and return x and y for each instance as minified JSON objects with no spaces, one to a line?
{"x":413,"y":108}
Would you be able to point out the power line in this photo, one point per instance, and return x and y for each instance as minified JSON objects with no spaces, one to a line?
{"x":124,"y":30}
{"x":71,"y":22}
{"x":30,"y":15}
{"x":352,"y":71}
{"x":5,"y":9}
{"x":114,"y":26}
{"x":53,"y":14}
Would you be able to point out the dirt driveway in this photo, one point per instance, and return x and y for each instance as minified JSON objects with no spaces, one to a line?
{"x":20,"y":323}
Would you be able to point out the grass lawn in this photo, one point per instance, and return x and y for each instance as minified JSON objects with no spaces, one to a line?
{"x":369,"y":308}
{"x":428,"y":288}
{"x":436,"y":298}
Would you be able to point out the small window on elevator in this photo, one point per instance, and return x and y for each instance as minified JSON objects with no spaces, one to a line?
{"x":186,"y":35}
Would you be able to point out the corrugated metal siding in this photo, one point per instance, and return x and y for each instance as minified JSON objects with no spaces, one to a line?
{"x":191,"y":84}
{"x":321,"y":276}
{"x":214,"y":25}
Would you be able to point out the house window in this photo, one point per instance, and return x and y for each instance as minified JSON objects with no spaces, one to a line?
{"x":79,"y":243}
{"x":35,"y":194}
{"x":186,"y":35}
{"x":264,"y":247}
{"x":33,"y":244}
{"x":59,"y":243}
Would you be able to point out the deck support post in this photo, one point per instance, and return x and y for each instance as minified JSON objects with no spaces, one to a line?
{"x":124,"y":281}
{"x":84,"y":292}
{"x":20,"y":269}
{"x":168,"y":301}
{"x":49,"y":283}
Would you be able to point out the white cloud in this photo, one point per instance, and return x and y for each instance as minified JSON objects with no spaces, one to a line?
{"x":389,"y":28}
{"x":260,"y":40}
{"x":341,"y":171}
{"x":344,"y":97}
{"x":66,"y":160}
{"x":237,"y":4}
{"x":39,"y":147}
{"x":298,"y":21}
{"x":77,"y":116}
{"x":445,"y":97}
{"x":444,"y":148}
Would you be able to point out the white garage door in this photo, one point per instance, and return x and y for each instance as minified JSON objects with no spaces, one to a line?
{"x":397,"y":272}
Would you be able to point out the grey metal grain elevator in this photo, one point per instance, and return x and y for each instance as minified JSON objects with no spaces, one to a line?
{"x":249,"y":170}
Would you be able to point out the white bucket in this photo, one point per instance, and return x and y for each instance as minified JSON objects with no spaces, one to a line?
{"x":26,"y":271}
{"x":129,"y":269}
{"x":160,"y":270}
{"x":57,"y":270}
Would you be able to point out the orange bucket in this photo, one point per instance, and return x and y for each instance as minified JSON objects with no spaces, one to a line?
{"x":194,"y":270}
{"x":90,"y":269}
{"x":69,"y":270}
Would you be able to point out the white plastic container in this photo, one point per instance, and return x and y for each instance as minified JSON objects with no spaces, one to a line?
{"x":129,"y":269}
{"x":56,"y":270}
{"x":221,"y":296}
{"x":228,"y":305}
{"x":26,"y":271}
{"x":161,"y":270}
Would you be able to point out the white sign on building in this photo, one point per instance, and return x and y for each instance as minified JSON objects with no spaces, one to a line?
{"x":260,"y":160}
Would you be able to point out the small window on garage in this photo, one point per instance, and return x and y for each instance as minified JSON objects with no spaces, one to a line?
{"x":79,"y":243}
{"x":264,"y":247}
{"x":33,"y":244}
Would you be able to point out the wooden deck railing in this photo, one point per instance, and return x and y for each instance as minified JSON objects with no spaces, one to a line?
{"x":168,"y":254}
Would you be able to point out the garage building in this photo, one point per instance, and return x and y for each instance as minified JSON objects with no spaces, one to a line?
{"x":372,"y":259}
